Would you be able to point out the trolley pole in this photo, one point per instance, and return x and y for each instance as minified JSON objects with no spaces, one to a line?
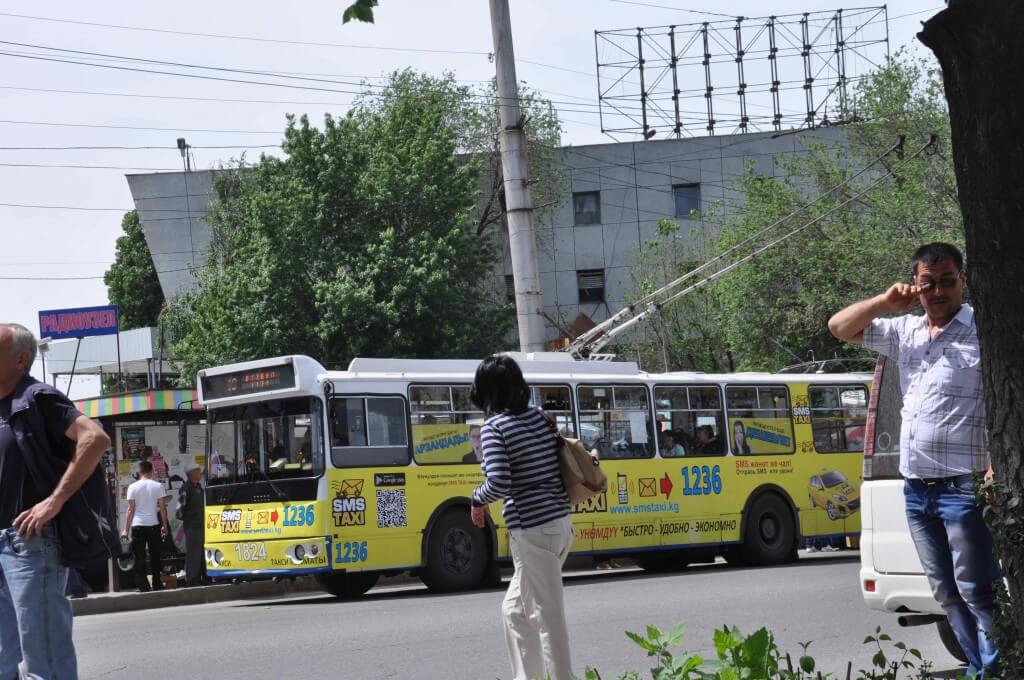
{"x":518,"y":198}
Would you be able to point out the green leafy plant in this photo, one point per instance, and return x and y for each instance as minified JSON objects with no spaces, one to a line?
{"x":1003,"y":508}
{"x":758,"y":657}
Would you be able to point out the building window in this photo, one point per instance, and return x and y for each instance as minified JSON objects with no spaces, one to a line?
{"x":510,"y":288}
{"x":586,"y":207}
{"x":687,"y":200}
{"x":590,"y":283}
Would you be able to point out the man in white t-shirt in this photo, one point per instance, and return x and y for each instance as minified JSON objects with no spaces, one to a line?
{"x":147,"y":521}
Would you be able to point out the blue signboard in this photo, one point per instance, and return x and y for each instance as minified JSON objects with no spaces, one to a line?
{"x":59,"y":324}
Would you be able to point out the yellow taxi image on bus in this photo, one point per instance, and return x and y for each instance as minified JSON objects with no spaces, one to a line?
{"x":832,"y":492}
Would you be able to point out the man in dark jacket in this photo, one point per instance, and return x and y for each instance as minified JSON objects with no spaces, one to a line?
{"x":191,"y":505}
{"x":35,"y":419}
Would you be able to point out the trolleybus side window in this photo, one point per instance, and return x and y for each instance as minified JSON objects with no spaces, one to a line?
{"x":616,"y":420}
{"x":760,"y":420}
{"x":690,"y":421}
{"x":369,"y":431}
{"x":556,"y":400}
{"x":445,"y":424}
{"x":838,"y":414}
{"x":277,"y":438}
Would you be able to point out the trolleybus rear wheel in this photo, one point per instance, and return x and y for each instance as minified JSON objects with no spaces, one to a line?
{"x":456,"y":553}
{"x":769,"y":537}
{"x":347,"y":585}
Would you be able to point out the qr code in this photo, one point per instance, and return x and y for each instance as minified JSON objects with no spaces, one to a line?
{"x":390,"y":508}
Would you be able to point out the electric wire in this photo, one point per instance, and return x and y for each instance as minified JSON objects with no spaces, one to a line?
{"x":102,"y":126}
{"x":306,"y":43}
{"x":363,"y":85}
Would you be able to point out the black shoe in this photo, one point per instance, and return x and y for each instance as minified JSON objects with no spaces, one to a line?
{"x":144,"y":590}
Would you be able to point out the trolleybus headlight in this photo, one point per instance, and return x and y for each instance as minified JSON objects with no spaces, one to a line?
{"x":214,"y":556}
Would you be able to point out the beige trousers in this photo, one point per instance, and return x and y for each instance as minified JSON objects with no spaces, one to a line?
{"x":534,"y":609}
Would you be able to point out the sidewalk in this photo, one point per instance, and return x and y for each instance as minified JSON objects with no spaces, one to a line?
{"x":105,"y":603}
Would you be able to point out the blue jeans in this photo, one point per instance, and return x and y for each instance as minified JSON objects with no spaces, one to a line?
{"x":35,"y":617}
{"x":956,"y":552}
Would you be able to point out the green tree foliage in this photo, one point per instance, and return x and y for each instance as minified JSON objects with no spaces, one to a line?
{"x":360,"y":10}
{"x":686,"y":333}
{"x":132,"y":283}
{"x":362,"y":242}
{"x":784,"y":297}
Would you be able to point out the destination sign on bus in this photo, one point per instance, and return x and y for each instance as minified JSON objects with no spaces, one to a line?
{"x":253,"y":381}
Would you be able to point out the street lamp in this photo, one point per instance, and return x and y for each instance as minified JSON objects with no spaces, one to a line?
{"x":183,"y":148}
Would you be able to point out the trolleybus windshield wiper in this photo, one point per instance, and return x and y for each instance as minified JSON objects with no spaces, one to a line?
{"x":251,"y":466}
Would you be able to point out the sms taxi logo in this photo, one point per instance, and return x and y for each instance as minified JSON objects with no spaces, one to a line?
{"x":349,"y":507}
{"x":598,"y":503}
{"x":230,"y":521}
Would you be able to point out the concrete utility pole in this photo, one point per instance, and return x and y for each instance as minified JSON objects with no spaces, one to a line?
{"x":518,"y":199}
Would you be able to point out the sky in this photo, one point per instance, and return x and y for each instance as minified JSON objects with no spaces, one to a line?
{"x":54,"y":257}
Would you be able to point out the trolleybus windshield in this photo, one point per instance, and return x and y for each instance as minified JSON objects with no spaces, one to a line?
{"x":275,"y":439}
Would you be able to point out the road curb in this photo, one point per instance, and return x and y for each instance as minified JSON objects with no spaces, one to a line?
{"x":106,"y":603}
{"x":124,"y":602}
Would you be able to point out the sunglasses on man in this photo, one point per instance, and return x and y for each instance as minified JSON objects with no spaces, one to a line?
{"x":927,"y":284}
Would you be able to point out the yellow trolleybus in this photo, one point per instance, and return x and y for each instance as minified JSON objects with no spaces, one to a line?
{"x":349,"y":475}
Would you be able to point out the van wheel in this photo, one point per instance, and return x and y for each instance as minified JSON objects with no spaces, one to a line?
{"x":768,"y":537}
{"x":348,"y":585}
{"x":949,"y":640}
{"x":456,"y":554}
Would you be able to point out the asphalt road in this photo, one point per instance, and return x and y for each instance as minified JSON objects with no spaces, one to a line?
{"x":406,"y":632}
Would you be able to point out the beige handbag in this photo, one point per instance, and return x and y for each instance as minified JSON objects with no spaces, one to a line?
{"x":581,"y":471}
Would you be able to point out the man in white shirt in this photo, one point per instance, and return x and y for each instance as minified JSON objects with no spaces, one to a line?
{"x":147,"y":522}
{"x":943,"y":437}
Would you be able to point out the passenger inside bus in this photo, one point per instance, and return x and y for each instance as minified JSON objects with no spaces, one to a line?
{"x":670,"y":446}
{"x":706,"y":442}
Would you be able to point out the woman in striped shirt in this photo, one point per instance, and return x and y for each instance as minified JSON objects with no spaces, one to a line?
{"x":520,"y":461}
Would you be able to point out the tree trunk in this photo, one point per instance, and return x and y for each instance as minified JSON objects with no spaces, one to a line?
{"x":980,"y":46}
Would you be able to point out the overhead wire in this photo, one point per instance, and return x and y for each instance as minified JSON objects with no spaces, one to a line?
{"x":365,"y":87}
{"x":226,"y":36}
{"x":76,"y":278}
{"x":103,"y":126}
{"x":163,"y":147}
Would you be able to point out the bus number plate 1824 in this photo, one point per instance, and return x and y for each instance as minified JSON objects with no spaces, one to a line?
{"x":251,"y":552}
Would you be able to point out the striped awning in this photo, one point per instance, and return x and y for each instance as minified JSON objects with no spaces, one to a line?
{"x":138,"y":402}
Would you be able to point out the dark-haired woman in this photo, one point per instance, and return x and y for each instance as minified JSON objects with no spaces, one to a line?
{"x":520,"y":461}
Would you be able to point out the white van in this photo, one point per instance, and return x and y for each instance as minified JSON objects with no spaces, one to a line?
{"x":891,"y":576}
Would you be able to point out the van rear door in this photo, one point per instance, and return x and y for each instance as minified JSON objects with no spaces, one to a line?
{"x":883,"y":515}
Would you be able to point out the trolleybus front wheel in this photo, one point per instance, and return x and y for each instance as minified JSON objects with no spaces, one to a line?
{"x":769,"y":536}
{"x":347,"y":585}
{"x":456,"y":553}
